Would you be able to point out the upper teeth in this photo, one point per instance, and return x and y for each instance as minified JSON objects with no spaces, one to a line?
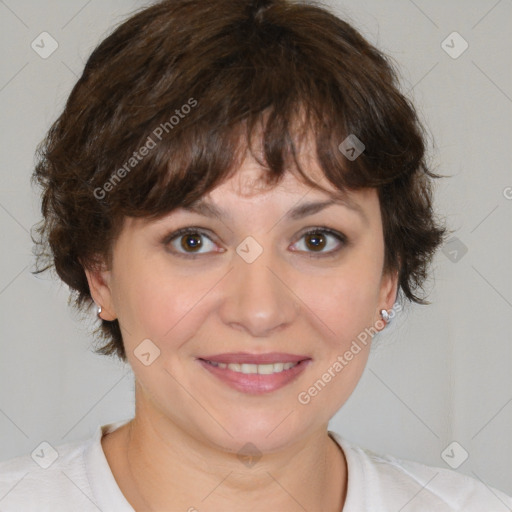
{"x":262,"y":369}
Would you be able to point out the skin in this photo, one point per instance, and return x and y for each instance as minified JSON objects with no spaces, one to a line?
{"x":180,"y":451}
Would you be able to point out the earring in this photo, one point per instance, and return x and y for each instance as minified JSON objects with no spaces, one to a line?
{"x":385,"y":315}
{"x":99,"y":312}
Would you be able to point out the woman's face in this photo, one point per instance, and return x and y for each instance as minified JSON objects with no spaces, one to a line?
{"x":250,"y":286}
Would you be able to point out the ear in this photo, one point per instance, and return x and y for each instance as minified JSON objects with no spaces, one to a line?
{"x":99,"y":279}
{"x":388,"y":293}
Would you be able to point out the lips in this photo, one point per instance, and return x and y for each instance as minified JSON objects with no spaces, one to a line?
{"x":246,"y":358}
{"x":255,"y":373}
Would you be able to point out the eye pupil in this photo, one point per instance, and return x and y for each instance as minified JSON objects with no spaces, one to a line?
{"x":317,"y":239}
{"x":195,"y":240}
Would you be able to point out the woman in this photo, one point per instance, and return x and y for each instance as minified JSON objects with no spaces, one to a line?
{"x":241,"y":190}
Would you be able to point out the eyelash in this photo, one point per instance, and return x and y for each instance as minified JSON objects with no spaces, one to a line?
{"x":316,"y":230}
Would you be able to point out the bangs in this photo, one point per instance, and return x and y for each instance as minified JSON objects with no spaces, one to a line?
{"x":263,"y":87}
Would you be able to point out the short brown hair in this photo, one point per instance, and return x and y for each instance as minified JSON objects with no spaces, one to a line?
{"x":189,"y":81}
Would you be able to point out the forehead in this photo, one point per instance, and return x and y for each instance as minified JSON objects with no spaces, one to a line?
{"x":248,"y":185}
{"x":277,"y":204}
{"x":291,"y":192}
{"x":247,"y":192}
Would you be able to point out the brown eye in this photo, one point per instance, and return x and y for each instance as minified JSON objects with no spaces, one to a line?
{"x":315,"y":241}
{"x":323,"y":241}
{"x":191,"y":241}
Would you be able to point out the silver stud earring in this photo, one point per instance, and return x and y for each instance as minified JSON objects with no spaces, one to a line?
{"x":385,"y":315}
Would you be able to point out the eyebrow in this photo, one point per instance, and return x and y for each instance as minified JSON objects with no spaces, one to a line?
{"x":207,"y":209}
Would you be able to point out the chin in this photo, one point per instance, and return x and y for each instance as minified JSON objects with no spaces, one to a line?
{"x":267,"y":433}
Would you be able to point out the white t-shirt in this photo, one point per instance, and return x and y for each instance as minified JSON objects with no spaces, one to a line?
{"x":78,"y":477}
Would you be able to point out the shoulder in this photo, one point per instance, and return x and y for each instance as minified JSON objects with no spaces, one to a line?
{"x":47,"y":476}
{"x":384,"y":482}
{"x":71,"y":476}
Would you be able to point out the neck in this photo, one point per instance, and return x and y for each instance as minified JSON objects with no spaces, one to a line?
{"x":167,"y":468}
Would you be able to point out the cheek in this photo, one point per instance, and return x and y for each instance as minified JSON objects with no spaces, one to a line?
{"x":161,"y":304}
{"x":146,"y":303}
{"x":346,"y":312}
{"x":346,"y":299}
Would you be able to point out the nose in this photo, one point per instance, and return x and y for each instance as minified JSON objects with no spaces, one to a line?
{"x":258,"y":297}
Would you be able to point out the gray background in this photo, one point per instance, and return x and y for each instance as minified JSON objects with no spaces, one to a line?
{"x":438,"y":374}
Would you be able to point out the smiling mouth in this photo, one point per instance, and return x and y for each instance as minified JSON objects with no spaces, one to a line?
{"x":260,"y":369}
{"x":255,"y":374}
